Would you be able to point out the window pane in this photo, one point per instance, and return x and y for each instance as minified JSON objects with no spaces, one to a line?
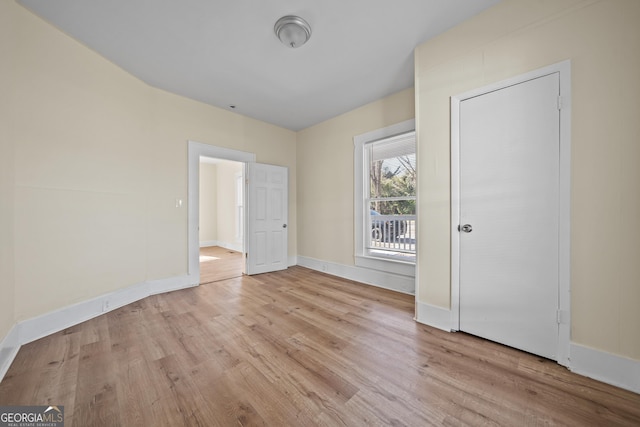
{"x":392,"y":173}
{"x":391,"y":201}
{"x":393,"y":235}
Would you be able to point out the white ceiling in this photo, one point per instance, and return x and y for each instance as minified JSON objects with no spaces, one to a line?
{"x":225,"y":52}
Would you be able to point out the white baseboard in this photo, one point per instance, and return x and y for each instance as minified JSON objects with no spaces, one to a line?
{"x":227,"y":245}
{"x":606,"y":367}
{"x":231,"y":246}
{"x":434,"y":316}
{"x":35,"y":328}
{"x":394,"y":282}
{"x":169,"y":284}
{"x":9,"y":347}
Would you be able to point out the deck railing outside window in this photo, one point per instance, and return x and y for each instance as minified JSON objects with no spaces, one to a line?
{"x":393,"y":236}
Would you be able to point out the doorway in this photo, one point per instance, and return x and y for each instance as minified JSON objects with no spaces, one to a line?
{"x":196,"y":150}
{"x":221,"y":238}
{"x":510,"y":205}
{"x":265,"y":234}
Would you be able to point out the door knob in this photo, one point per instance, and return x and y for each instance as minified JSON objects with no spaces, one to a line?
{"x":465,"y":228}
{"x":284,"y":225}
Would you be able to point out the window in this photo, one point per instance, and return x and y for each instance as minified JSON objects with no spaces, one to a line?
{"x":385,"y":205}
{"x":391,"y":197}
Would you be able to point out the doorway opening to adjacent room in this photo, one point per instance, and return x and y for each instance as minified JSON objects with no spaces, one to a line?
{"x":221,"y":212}
{"x":260,"y":205}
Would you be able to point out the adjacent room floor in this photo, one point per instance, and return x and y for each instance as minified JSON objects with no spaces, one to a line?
{"x":217,"y":263}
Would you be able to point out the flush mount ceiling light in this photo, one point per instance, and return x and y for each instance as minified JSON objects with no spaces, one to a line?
{"x":292,"y":31}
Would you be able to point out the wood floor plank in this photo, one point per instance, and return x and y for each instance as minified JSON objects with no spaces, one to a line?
{"x":139,"y":393}
{"x":96,"y":398}
{"x":296,"y":347}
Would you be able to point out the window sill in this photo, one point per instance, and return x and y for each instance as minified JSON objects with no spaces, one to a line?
{"x":387,"y":265}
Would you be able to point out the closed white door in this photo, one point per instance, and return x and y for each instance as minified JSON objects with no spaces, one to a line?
{"x":509,"y":215}
{"x":267,"y":216}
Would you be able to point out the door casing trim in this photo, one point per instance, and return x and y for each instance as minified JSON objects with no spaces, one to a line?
{"x":564,"y":215}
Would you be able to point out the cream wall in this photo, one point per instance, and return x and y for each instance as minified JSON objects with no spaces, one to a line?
{"x":226,"y":209}
{"x":218,"y":203}
{"x":7,"y":50}
{"x":325,"y":176}
{"x":99,"y":159}
{"x":208,"y":202}
{"x":602,"y":40}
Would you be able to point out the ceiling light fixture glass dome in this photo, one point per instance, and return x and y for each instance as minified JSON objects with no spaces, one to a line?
{"x":292,"y":31}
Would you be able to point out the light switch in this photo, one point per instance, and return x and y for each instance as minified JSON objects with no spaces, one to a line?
{"x":178,"y":203}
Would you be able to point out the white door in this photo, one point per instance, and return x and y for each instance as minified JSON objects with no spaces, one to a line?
{"x":509,"y":213}
{"x":267,"y":216}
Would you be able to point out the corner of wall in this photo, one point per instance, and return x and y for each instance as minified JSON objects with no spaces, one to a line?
{"x":434,"y":316}
{"x":9,"y":347}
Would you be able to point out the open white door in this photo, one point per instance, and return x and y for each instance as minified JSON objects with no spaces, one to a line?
{"x":267,"y":218}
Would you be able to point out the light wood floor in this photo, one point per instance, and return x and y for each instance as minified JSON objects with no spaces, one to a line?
{"x":218,"y":263}
{"x":296,"y":348}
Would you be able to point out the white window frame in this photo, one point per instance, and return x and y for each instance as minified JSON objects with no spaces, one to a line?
{"x":362,"y":257}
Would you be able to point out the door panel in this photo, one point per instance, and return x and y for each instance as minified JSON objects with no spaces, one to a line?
{"x":267,"y":218}
{"x":509,"y":189}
